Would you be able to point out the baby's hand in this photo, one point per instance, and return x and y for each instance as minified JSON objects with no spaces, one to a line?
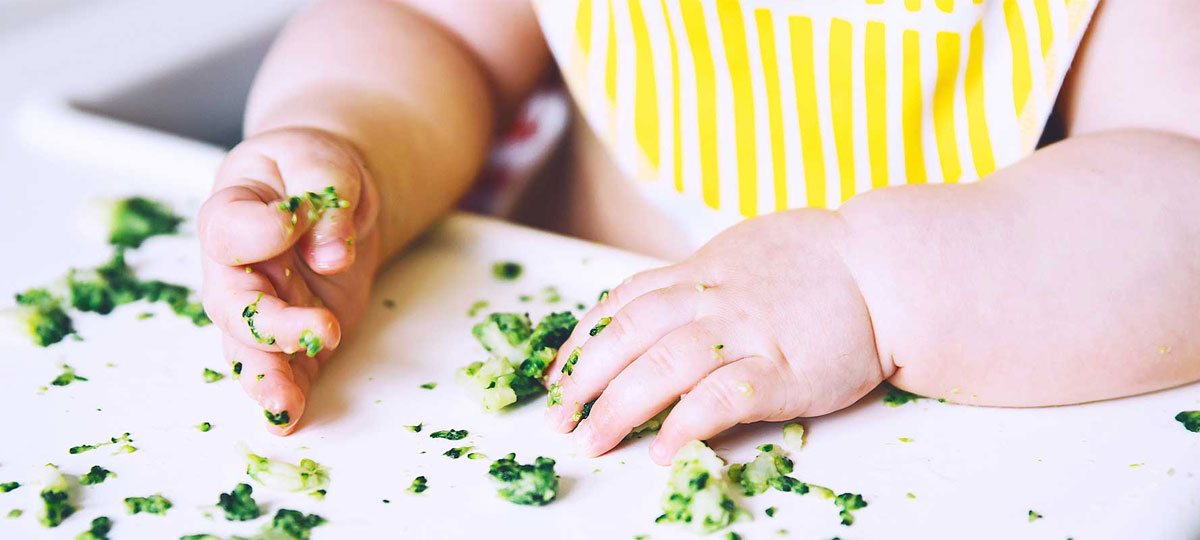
{"x":290,"y":246}
{"x":765,"y":322}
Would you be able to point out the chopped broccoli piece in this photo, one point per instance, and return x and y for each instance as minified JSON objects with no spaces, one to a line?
{"x":476,"y":455}
{"x":534,"y":484}
{"x":96,"y":475}
{"x":733,"y":536}
{"x":698,"y":494}
{"x":569,"y":366}
{"x":602,"y":297}
{"x":204,"y":427}
{"x":506,"y":270}
{"x":124,"y":438}
{"x":41,"y":315}
{"x":9,"y":486}
{"x":770,"y":511}
{"x":114,"y":283}
{"x":211,"y":376}
{"x":179,"y":298}
{"x":280,"y":419}
{"x":327,"y":199}
{"x":654,"y":423}
{"x":416,"y":428}
{"x":1034,"y":516}
{"x":849,"y":502}
{"x":449,"y":434}
{"x":15,"y":513}
{"x":318,"y":494}
{"x":518,"y":356}
{"x":310,"y":342}
{"x":99,"y":530}
{"x":419,"y":484}
{"x":551,"y":295}
{"x":476,"y":307}
{"x":135,"y":219}
{"x":238,"y":504}
{"x":293,"y":524}
{"x":600,"y":325}
{"x":429,"y":385}
{"x":584,"y":411}
{"x":67,"y":376}
{"x":455,"y":453}
{"x":237,"y":370}
{"x":1190,"y":420}
{"x":793,"y":436}
{"x":56,"y":504}
{"x":768,"y":467}
{"x":153,"y":504}
{"x":248,"y":314}
{"x":281,"y":476}
{"x":554,"y":395}
{"x":896,"y":397}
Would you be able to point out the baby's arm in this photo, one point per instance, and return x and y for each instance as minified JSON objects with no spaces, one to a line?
{"x":1073,"y":275}
{"x":390,"y":103}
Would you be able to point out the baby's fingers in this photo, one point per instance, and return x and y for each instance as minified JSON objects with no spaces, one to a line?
{"x":269,"y":380}
{"x":245,"y":223}
{"x":748,"y":390}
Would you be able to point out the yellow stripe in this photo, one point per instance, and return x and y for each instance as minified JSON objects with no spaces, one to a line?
{"x":841,"y":100}
{"x":733,"y":33}
{"x":677,"y":132}
{"x":945,"y":5}
{"x":1045,"y":25}
{"x":912,"y":5}
{"x":706,"y":98}
{"x":875,"y":64}
{"x":610,"y":60}
{"x":1022,"y":80}
{"x":804,"y":78}
{"x":914,"y":148}
{"x":645,"y":102}
{"x":874,"y":1}
{"x":766,"y":43}
{"x":981,"y":142}
{"x":583,"y":26}
{"x":943,"y":105}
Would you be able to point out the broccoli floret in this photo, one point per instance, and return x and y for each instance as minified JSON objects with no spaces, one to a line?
{"x":179,"y":298}
{"x":152,"y":504}
{"x":99,"y":530}
{"x":123,"y":438}
{"x":849,"y":502}
{"x":455,"y":453}
{"x":600,"y":325}
{"x":135,"y":219}
{"x":506,"y":270}
{"x":419,"y":484}
{"x":896,"y":397}
{"x":518,"y":356}
{"x":1190,"y":420}
{"x":534,"y":484}
{"x":280,"y":419}
{"x":793,"y":436}
{"x":238,"y":504}
{"x":211,"y":376}
{"x":310,"y":342}
{"x":449,"y":434}
{"x":248,"y":314}
{"x":56,"y":504}
{"x":67,"y":376}
{"x":101,"y":289}
{"x":698,"y":494}
{"x":768,"y":467}
{"x":42,"y":316}
{"x":1034,"y":516}
{"x":294,"y":524}
{"x":96,"y":475}
{"x":9,"y":486}
{"x":281,"y":476}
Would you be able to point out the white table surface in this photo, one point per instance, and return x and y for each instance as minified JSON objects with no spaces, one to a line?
{"x":975,"y":472}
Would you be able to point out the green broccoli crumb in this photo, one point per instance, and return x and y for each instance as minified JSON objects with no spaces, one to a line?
{"x":584,"y":411}
{"x":281,"y":419}
{"x":44,"y":317}
{"x":848,"y":502}
{"x":449,"y":434}
{"x":96,"y":475}
{"x":416,"y":428}
{"x":310,"y":342}
{"x":1190,"y":420}
{"x":260,"y":376}
{"x":733,"y":536}
{"x":283,"y":476}
{"x":554,"y":395}
{"x":153,"y":504}
{"x":237,"y":370}
{"x":600,"y":325}
{"x":770,"y":511}
{"x":603,"y":296}
{"x":135,"y":219}
{"x":15,"y":513}
{"x":476,"y":307}
{"x":910,"y":495}
{"x":318,"y":494}
{"x":429,"y":385}
{"x":9,"y":486}
{"x":419,"y":484}
{"x":204,"y":427}
{"x":123,"y":438}
{"x":239,"y":504}
{"x":248,"y":314}
{"x":531,"y":484}
{"x":506,"y":270}
{"x":551,"y":295}
{"x":99,"y":530}
{"x":67,"y":376}
{"x":476,"y":455}
{"x":896,"y":397}
{"x":1034,"y":516}
{"x":569,"y":366}
{"x":145,"y":315}
{"x":455,"y":453}
{"x":211,"y":376}
{"x":294,"y":524}
{"x":518,"y":355}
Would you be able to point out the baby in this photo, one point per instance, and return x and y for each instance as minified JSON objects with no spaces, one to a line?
{"x":823,"y":152}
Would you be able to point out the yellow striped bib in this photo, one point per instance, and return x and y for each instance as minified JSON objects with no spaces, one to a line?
{"x":727,"y":109}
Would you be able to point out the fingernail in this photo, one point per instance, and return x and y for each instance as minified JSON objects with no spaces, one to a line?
{"x":328,"y":255}
{"x":583,"y":439}
{"x":657,"y":452}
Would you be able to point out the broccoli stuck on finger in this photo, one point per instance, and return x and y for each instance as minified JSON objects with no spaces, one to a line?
{"x":281,"y":476}
{"x":698,"y":494}
{"x":277,"y":419}
{"x":248,"y":314}
{"x":310,"y":342}
{"x":518,"y":355}
{"x":533,"y":484}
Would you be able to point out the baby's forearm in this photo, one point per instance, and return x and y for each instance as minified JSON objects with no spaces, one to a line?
{"x":412,"y":96}
{"x":1071,"y":276}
